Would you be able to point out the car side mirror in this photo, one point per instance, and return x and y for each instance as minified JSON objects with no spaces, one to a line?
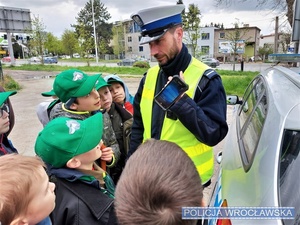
{"x":233,"y":100}
{"x":219,"y":157}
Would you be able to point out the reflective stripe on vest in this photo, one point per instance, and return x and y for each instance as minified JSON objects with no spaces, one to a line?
{"x":174,"y":130}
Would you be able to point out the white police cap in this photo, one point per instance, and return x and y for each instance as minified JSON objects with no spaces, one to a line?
{"x":156,"y":21}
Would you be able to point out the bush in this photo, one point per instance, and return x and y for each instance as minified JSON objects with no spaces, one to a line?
{"x":141,"y":64}
{"x":9,"y":84}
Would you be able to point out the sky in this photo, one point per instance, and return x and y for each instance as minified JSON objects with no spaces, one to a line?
{"x":57,"y":15}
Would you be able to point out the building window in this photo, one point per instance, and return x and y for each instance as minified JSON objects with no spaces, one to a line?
{"x":129,"y":39}
{"x":205,"y":49}
{"x":140,"y":37}
{"x":130,"y":49}
{"x":141,"y":48}
{"x":205,"y":36}
{"x":222,"y":35}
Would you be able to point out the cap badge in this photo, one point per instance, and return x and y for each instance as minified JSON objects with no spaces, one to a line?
{"x":73,"y":125}
{"x":77,"y":76}
{"x":138,"y":20}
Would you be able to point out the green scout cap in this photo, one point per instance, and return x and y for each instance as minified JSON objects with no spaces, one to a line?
{"x":63,"y":138}
{"x":101,"y":83}
{"x":5,"y":95}
{"x":73,"y":83}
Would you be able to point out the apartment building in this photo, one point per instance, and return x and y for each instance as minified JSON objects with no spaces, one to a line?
{"x":205,"y":42}
{"x":132,"y":38}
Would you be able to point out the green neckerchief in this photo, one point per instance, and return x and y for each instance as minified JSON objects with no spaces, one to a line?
{"x":106,"y":183}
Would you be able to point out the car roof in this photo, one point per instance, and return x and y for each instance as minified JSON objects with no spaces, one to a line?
{"x":284,"y":90}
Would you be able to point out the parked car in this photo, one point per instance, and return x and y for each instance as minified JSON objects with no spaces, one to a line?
{"x":35,"y":59}
{"x":212,"y":62}
{"x":126,"y":62}
{"x":260,"y":161}
{"x":6,"y":59}
{"x":50,"y":60}
{"x":76,"y":55}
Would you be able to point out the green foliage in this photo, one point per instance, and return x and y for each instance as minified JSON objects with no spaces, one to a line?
{"x":38,"y":36}
{"x":53,"y":45}
{"x":9,"y":84}
{"x":69,"y":42}
{"x":191,"y":25}
{"x":265,"y":51}
{"x":85,"y":28}
{"x":141,"y":64}
{"x":118,"y":39}
{"x":235,"y":82}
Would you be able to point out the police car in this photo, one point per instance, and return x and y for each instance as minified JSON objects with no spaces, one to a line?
{"x":260,"y":161}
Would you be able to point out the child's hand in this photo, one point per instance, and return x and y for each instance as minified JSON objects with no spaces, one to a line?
{"x":107,"y":154}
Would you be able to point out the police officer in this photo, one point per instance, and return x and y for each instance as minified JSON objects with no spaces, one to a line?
{"x":197,"y":120}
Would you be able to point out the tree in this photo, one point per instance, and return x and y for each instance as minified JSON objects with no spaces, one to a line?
{"x":237,"y":39}
{"x":52,"y":44}
{"x":69,"y":42}
{"x":285,"y":40}
{"x":286,"y":6}
{"x":86,"y":43}
{"x":191,"y":25}
{"x":38,"y":36}
{"x":265,"y":51}
{"x":118,"y":40}
{"x":102,"y":28}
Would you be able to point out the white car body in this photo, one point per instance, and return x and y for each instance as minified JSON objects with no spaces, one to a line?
{"x":260,"y":165}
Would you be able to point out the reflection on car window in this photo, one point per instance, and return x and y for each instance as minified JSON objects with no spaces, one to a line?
{"x":289,"y":173}
{"x":251,"y":119}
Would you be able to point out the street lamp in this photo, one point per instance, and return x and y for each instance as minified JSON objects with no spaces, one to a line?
{"x":95,"y":38}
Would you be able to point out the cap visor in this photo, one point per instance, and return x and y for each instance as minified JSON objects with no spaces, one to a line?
{"x":5,"y":95}
{"x":48,"y":93}
{"x":147,"y":39}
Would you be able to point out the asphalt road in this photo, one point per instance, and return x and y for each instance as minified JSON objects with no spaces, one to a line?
{"x":27,"y":125}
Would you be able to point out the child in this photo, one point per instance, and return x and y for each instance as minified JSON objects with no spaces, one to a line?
{"x":79,"y":100}
{"x":121,"y":121}
{"x":120,"y":92}
{"x":157,"y":181}
{"x":6,"y":146}
{"x":26,"y":195}
{"x":11,"y":113}
{"x":70,"y":148}
{"x":43,"y":108}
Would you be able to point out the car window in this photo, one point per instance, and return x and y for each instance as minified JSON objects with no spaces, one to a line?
{"x":252,"y":115}
{"x":289,"y":192}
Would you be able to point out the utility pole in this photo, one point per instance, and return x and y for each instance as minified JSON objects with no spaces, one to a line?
{"x":95,"y":38}
{"x":276,"y":36}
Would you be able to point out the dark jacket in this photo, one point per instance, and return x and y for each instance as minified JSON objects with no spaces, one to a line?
{"x":6,"y":146}
{"x":121,"y":121}
{"x":204,"y":116}
{"x":79,"y":202}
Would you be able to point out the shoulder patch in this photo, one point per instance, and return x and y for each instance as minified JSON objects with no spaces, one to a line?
{"x":210,"y":73}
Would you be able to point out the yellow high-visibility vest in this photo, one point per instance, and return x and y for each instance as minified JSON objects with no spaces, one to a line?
{"x":174,"y":130}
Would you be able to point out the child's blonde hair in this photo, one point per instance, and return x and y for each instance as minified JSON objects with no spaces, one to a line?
{"x":17,"y":175}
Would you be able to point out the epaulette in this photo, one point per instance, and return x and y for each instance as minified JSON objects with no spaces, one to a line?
{"x":207,"y":75}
